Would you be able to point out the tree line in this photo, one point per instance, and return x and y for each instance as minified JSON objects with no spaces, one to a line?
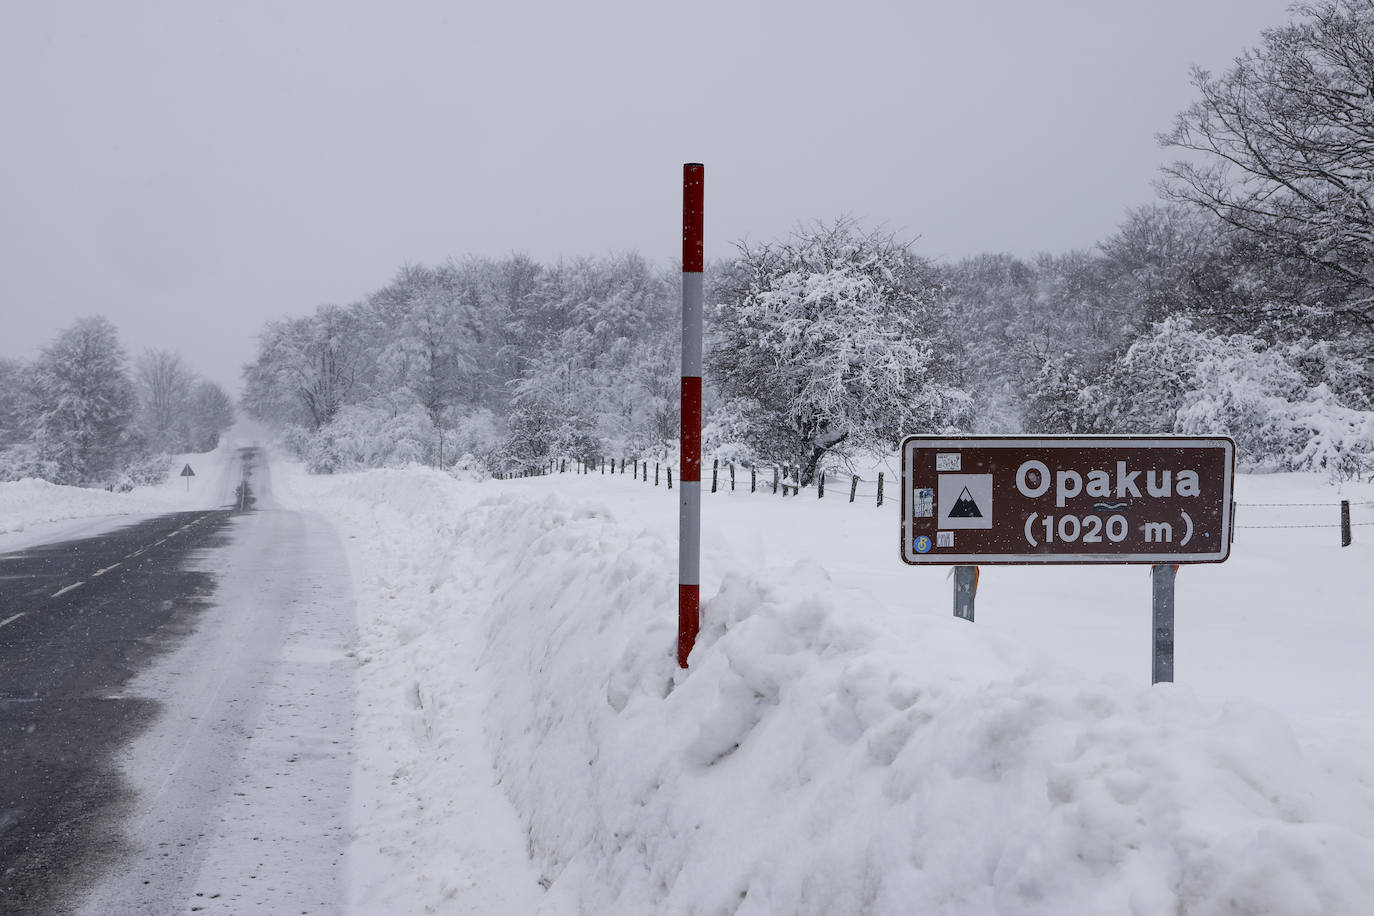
{"x":1240,"y":302}
{"x":83,"y":414}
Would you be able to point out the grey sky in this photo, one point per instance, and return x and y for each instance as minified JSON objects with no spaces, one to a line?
{"x":193,"y":169}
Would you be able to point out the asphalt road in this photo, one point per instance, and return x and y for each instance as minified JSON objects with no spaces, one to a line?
{"x":77,"y":621}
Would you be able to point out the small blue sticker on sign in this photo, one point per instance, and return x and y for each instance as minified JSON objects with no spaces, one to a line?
{"x":922,"y":544}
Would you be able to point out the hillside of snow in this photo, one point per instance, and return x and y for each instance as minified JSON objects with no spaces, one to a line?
{"x":840,"y":743}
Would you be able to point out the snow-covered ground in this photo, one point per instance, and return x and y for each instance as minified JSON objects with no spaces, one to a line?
{"x":38,"y":512}
{"x":841,"y":744}
{"x":524,"y":742}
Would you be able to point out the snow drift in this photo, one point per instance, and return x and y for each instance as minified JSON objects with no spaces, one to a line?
{"x":818,"y":757}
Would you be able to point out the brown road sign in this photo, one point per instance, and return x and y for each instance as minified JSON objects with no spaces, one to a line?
{"x":981,"y":500}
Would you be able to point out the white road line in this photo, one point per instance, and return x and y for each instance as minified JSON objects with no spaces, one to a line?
{"x":101,"y":572}
{"x":63,"y":591}
{"x":9,"y":620}
{"x":135,"y":553}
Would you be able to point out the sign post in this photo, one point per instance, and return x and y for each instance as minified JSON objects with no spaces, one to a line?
{"x":689,"y":489}
{"x":983,"y":500}
{"x":1162,"y":593}
{"x":965,"y":590}
{"x":188,"y":474}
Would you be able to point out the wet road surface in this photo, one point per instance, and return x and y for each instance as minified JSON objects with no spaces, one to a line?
{"x":77,"y":620}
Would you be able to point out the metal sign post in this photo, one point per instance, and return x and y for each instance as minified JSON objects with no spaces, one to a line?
{"x":689,"y":498}
{"x":965,"y":590}
{"x":1159,"y":500}
{"x":188,"y":474}
{"x":1162,"y":592}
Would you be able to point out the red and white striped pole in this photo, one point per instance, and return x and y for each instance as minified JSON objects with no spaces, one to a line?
{"x":689,"y":490}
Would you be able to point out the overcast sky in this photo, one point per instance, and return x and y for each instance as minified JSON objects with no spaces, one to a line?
{"x":192,"y":170}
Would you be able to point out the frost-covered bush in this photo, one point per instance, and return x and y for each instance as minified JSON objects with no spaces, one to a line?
{"x":1145,"y":389}
{"x":1054,"y":398}
{"x":24,"y":461}
{"x":377,"y":434}
{"x":476,"y":432}
{"x":147,"y":471}
{"x":367,"y":435}
{"x":1277,"y":402}
{"x":1252,"y":395}
{"x":535,"y":433}
{"x":1310,"y":433}
{"x":320,"y":452}
{"x":727,"y":434}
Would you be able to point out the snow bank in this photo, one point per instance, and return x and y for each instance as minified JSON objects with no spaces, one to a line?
{"x":819,"y":757}
{"x":25,"y":503}
{"x":432,"y":831}
{"x":30,"y":504}
{"x":811,"y":762}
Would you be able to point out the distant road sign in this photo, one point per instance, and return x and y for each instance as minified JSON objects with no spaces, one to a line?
{"x":982,"y":500}
{"x":187,"y":472}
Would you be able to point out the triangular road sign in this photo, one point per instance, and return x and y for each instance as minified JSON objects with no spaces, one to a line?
{"x":187,"y":472}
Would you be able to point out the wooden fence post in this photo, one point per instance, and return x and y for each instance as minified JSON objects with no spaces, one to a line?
{"x":880,"y":488}
{"x":670,"y":478}
{"x":775,"y":480}
{"x":753,"y":479}
{"x":655,"y":473}
{"x":715,"y":472}
{"x":853,"y":487}
{"x":820,"y":487}
{"x":732,"y":477}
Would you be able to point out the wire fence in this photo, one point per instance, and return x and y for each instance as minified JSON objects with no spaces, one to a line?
{"x":787,"y":481}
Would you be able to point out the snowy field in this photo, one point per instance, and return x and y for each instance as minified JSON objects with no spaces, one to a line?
{"x":841,"y":744}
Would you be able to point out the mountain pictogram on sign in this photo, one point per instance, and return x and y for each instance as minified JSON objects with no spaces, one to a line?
{"x":965,"y":507}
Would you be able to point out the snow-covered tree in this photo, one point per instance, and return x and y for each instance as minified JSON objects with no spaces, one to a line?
{"x":1281,"y":147}
{"x":604,"y":354}
{"x":308,"y":368}
{"x":209,"y":412}
{"x":1054,"y":398}
{"x":14,"y":393}
{"x":84,"y":404}
{"x":827,"y":343}
{"x":164,"y":384}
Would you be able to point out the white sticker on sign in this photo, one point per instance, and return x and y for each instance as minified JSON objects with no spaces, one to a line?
{"x":965,"y":501}
{"x":944,"y":539}
{"x":923,"y":502}
{"x":948,"y":461}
